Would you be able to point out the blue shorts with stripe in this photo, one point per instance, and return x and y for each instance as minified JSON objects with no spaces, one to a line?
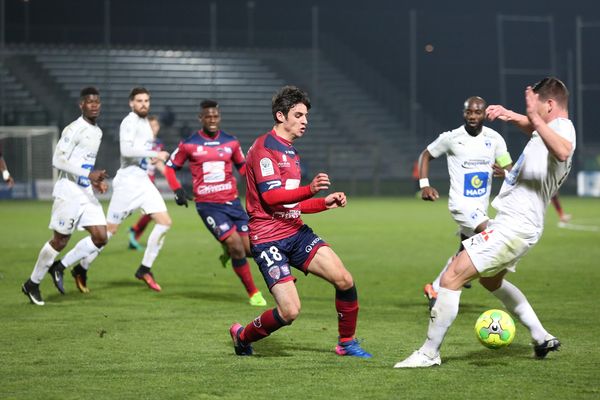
{"x":274,"y":259}
{"x":222,"y":219}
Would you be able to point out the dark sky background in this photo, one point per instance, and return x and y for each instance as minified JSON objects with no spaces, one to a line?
{"x":464,"y":61}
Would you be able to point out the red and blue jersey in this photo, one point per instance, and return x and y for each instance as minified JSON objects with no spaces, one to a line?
{"x":211,"y":161}
{"x":272,"y":163}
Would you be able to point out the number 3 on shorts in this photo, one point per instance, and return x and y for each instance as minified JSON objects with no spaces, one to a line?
{"x":274,"y":254}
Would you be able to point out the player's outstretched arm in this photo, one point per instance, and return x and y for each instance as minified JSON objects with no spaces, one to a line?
{"x":557,"y":145}
{"x":521,"y":121}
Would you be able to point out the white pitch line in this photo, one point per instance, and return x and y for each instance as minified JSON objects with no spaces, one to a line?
{"x":574,"y":227}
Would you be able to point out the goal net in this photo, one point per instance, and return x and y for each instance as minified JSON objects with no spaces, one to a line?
{"x":28,"y":151}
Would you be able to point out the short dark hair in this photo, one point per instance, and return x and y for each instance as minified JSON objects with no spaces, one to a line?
{"x":552,"y":88}
{"x":88,"y":91}
{"x":138,"y":90}
{"x":209,"y":104}
{"x":286,"y":98}
{"x":475,"y":99}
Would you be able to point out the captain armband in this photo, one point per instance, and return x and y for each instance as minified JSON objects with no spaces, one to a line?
{"x":504,"y":160}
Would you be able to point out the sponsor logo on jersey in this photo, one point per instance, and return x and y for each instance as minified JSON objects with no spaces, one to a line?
{"x":228,"y":150}
{"x":206,"y":189}
{"x":199,"y":149}
{"x":214,"y":143}
{"x":274,"y":272}
{"x":266,"y":167}
{"x":292,"y":152}
{"x":476,"y":184}
{"x":244,"y":228}
{"x":291,"y":214}
{"x":469,"y":164}
{"x":488,"y":143}
{"x":224,"y":227}
{"x":285,"y":269}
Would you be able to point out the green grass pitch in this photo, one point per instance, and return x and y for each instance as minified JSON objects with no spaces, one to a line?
{"x":124,"y":341}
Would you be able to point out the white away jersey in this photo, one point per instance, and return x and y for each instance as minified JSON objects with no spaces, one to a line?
{"x":136,"y":140}
{"x":470,"y":160}
{"x":534,"y":179}
{"x":76,"y":151}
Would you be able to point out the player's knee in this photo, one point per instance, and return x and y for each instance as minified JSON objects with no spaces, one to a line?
{"x":490,"y":284}
{"x":100,"y":239}
{"x":344,"y":281}
{"x":289,"y":313}
{"x":59,"y":243}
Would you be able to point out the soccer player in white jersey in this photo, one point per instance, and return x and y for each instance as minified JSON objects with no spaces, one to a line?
{"x":471,"y":151}
{"x":133,"y":189}
{"x":521,"y":204}
{"x":75,"y":205}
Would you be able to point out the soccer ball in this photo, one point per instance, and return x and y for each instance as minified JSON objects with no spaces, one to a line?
{"x":495,"y":329}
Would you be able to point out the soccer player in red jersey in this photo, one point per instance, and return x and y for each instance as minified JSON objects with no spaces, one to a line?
{"x":137,"y":230}
{"x":280,"y":240}
{"x":211,"y":154}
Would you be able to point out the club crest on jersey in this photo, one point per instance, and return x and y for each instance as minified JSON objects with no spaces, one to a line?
{"x":266,"y":167}
{"x":476,"y":184}
{"x":257,"y":322}
{"x":228,"y":150}
{"x":274,"y":272}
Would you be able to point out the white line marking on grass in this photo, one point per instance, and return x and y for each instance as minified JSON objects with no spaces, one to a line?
{"x":574,"y":227}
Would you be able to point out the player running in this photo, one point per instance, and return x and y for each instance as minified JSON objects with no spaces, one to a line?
{"x":75,"y":205}
{"x":211,"y":154}
{"x":132,"y":189}
{"x":137,"y":230}
{"x":521,"y":204}
{"x":280,"y":240}
{"x":471,"y":150}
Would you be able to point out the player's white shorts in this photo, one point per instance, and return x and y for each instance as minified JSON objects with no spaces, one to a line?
{"x":468,"y":217}
{"x":132,"y":192}
{"x":74,"y":207}
{"x":500,"y":246}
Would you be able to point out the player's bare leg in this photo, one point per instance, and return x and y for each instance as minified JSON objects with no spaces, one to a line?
{"x":237,"y":251}
{"x":287,"y":310}
{"x":327,"y":265}
{"x":515,"y":301}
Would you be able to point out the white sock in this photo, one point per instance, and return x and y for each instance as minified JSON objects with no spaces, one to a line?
{"x":515,"y":301}
{"x":43,"y":263}
{"x":443,"y":314}
{"x":87,"y":261}
{"x":155,"y":242}
{"x":436,"y":282}
{"x":82,"y":249}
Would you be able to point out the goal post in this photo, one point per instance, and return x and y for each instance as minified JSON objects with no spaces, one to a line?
{"x":28,"y":152}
